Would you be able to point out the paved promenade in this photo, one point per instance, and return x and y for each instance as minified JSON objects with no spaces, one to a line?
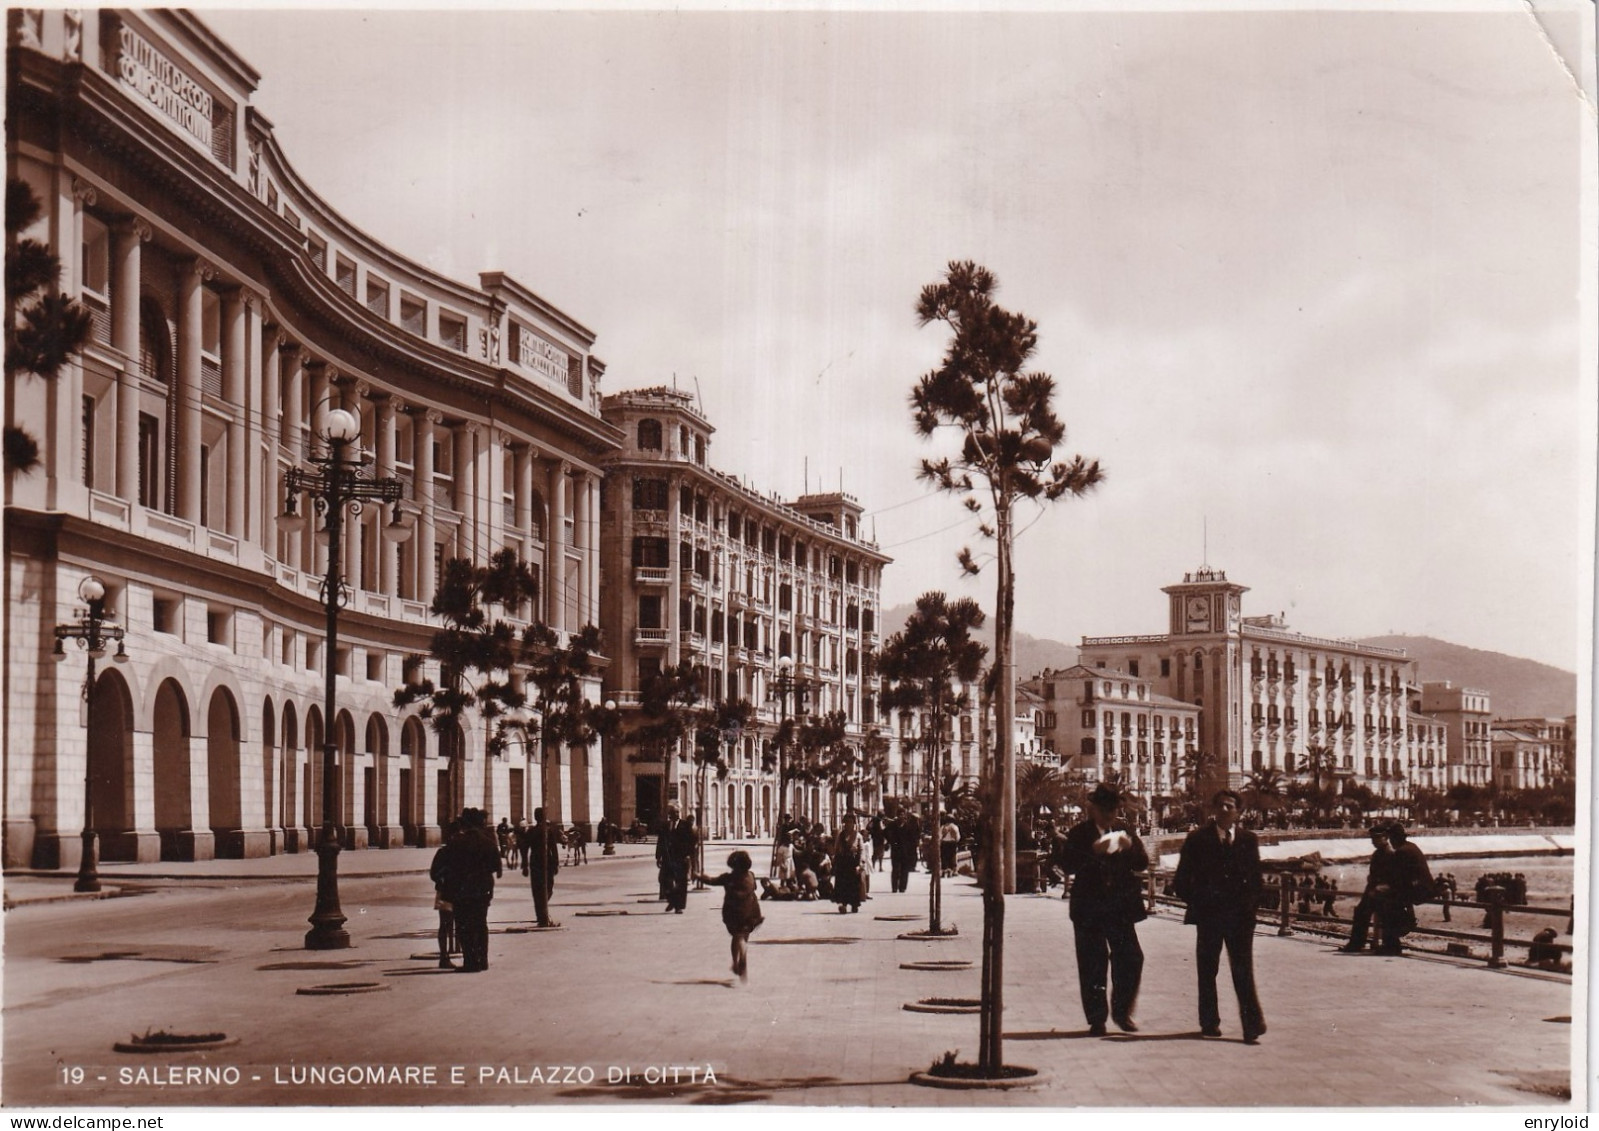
{"x":625,"y":991}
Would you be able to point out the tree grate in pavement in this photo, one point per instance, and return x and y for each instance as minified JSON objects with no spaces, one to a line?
{"x":334,"y":988}
{"x":944,"y":1005}
{"x":163,"y":1041}
{"x":348,"y":964}
{"x":827,"y":940}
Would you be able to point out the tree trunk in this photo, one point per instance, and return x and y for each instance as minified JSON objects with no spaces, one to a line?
{"x":1001,"y":862}
{"x":935,"y":889}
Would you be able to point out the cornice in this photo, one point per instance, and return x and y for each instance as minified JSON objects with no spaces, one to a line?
{"x":90,"y":106}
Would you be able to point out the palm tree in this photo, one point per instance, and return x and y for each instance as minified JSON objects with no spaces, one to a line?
{"x":1263,"y":791}
{"x":1039,"y":787}
{"x":476,"y":653}
{"x":921,"y":665}
{"x":1008,"y":430}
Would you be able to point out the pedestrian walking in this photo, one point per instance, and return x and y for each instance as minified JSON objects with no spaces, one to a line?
{"x":674,"y":852}
{"x":904,"y":839}
{"x":741,"y":907}
{"x":541,"y":861}
{"x":949,"y":840}
{"x":1218,"y":877}
{"x":847,"y":850}
{"x":439,"y":873}
{"x":1105,"y":856}
{"x":472,"y":870}
{"x":877,"y":831}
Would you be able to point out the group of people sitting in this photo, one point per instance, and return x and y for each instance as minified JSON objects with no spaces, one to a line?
{"x":810,"y":863}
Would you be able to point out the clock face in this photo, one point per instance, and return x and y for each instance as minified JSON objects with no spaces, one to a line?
{"x":1198,"y":614}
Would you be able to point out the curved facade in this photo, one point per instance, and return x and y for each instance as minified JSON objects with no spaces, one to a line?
{"x":231,"y":309}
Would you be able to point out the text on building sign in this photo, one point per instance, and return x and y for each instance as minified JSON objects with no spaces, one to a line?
{"x":166,"y":87}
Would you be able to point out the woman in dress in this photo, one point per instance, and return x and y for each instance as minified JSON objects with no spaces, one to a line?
{"x":847,"y":867}
{"x":783,"y":862}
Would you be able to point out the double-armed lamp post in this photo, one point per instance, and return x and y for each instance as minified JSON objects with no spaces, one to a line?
{"x":93,"y":633}
{"x":336,"y":479}
{"x":784,"y":684}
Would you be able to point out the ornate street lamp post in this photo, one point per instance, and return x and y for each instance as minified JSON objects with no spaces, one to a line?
{"x":784,"y":684}
{"x":336,"y":480}
{"x":92,"y":633}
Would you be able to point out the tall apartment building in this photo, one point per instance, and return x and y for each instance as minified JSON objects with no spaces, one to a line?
{"x":1468,"y":722}
{"x":232,"y":308}
{"x":699,"y":569}
{"x":1265,"y":695}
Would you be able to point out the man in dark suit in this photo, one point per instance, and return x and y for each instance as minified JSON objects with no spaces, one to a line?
{"x":1105,"y":856}
{"x":541,"y":860}
{"x":673,"y":853}
{"x":1218,"y":877}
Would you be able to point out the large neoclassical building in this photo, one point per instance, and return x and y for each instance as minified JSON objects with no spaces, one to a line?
{"x":700,"y":569}
{"x":232,"y":309}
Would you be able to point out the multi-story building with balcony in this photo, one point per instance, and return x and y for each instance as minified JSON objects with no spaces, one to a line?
{"x":1114,"y":726}
{"x":1529,"y":753}
{"x":1467,"y":718}
{"x":1268,"y":697}
{"x":232,"y":308}
{"x":699,"y":569}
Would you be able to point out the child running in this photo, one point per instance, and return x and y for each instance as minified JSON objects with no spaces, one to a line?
{"x":741,"y":907}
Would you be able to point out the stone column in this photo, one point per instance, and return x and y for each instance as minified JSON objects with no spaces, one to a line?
{"x":259,"y":495}
{"x":126,"y":239}
{"x":388,"y":574}
{"x":292,"y":437}
{"x":465,"y":434}
{"x":194,"y":277}
{"x":426,"y":580}
{"x":592,"y":550}
{"x":234,"y":359}
{"x":524,"y":513}
{"x":273,"y":424}
{"x":555,"y":547}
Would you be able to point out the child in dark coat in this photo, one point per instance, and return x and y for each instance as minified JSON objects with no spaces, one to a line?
{"x":741,"y":907}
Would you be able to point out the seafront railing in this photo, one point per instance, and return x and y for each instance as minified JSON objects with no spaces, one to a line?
{"x":1289,"y":907}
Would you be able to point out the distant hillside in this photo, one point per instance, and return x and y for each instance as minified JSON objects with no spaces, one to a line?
{"x":1033,"y":653}
{"x":1516,"y":687}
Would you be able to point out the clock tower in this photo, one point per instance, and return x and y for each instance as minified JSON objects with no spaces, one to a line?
{"x":1205,"y":603}
{"x":1207,"y":654}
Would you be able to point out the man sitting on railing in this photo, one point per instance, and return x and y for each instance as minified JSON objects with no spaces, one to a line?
{"x":1380,"y":878}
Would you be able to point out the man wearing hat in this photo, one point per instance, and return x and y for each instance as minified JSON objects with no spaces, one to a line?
{"x":1218,"y":877}
{"x":1104,"y":857}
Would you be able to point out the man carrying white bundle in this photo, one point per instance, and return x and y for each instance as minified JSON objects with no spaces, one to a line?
{"x":1104,"y":856}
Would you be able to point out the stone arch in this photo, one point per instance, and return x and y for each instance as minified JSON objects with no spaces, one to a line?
{"x":345,"y":758}
{"x":413,"y":782}
{"x":311,"y":787}
{"x":110,"y":776}
{"x":271,"y":814}
{"x":289,"y":806}
{"x":222,"y":755}
{"x":174,"y":802}
{"x":374,"y":792}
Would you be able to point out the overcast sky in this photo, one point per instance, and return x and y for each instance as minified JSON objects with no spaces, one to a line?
{"x":1311,"y":280}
